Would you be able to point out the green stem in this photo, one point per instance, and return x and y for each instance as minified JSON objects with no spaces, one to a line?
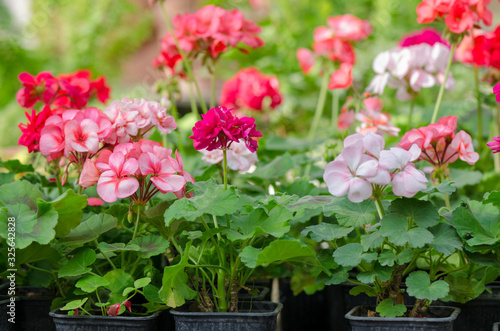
{"x":335,"y":108}
{"x":410,"y":116}
{"x":59,"y":287}
{"x":317,"y":117}
{"x":100,"y":306}
{"x":496,"y":133}
{"x":380,"y":208}
{"x":441,"y":90}
{"x":59,"y":186}
{"x":37,"y":160}
{"x":105,"y":256}
{"x":479,"y":109}
{"x":212,"y":90}
{"x":175,"y":114}
{"x":192,"y":102}
{"x":189,"y":69}
{"x":137,"y":222}
{"x":447,"y":201}
{"x":224,"y":153}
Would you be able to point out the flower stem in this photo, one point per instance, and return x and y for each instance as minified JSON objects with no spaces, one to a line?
{"x":447,"y":201}
{"x":59,"y":186}
{"x":224,"y":153}
{"x":496,"y":133}
{"x":185,"y":59}
{"x":479,"y":109}
{"x":380,"y":208}
{"x":192,"y":102}
{"x":175,"y":114}
{"x":212,"y":90}
{"x":441,"y":90}
{"x":410,"y":116}
{"x":335,"y":108}
{"x":317,"y":117}
{"x":137,"y":222}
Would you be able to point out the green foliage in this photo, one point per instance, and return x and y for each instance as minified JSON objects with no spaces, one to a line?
{"x":387,"y":308}
{"x":78,"y":265}
{"x":90,"y":229}
{"x":349,"y":213}
{"x":149,"y":245}
{"x":423,"y":213}
{"x":395,"y":228}
{"x":420,"y":286}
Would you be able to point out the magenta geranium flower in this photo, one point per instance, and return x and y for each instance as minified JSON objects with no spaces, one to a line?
{"x":219,"y":128}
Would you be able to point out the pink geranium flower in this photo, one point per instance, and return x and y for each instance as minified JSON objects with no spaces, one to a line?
{"x":90,"y":174}
{"x":42,"y":87}
{"x":114,"y":310}
{"x":349,"y":27}
{"x":306,"y":59}
{"x":81,"y":137}
{"x":115,"y":182}
{"x":32,"y":130}
{"x":162,"y":173}
{"x":407,"y":180}
{"x":52,"y":139}
{"x":373,"y":119}
{"x":341,"y":78}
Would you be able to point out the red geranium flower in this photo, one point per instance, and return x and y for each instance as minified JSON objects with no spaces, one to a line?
{"x":31,"y":130}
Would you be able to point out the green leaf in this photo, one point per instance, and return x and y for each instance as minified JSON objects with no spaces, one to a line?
{"x":150,"y":245}
{"x":35,"y":219}
{"x":69,"y":208}
{"x":424,"y":213}
{"x":118,"y":280}
{"x":277,"y":168}
{"x":151,"y":293}
{"x":446,"y":239}
{"x":78,"y":264}
{"x":419,"y":286}
{"x":387,"y":258}
{"x":90,"y":283}
{"x":493,"y":198}
{"x":395,"y":228}
{"x":127,"y":291}
{"x":465,"y":177}
{"x":277,"y":252}
{"x":90,"y":230}
{"x":36,"y":253}
{"x":337,"y":277}
{"x":211,"y":199}
{"x":307,"y":207}
{"x":445,"y":187}
{"x":175,"y":290}
{"x":349,"y":213}
{"x":142,"y":282}
{"x":386,"y":308}
{"x":74,"y":304}
{"x":467,"y":225}
{"x":368,"y":290}
{"x":326,"y":232}
{"x":373,"y":240}
{"x":380,"y":272}
{"x":258,"y":222}
{"x":16,"y":167}
{"x":348,"y":255}
{"x":107,"y":248}
{"x":461,"y":288}
{"x":405,"y":256}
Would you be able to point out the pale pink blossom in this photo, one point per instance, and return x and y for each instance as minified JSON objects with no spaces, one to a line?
{"x":81,"y":137}
{"x":162,"y":173}
{"x":239,"y":157}
{"x":462,"y":144}
{"x":90,"y":174}
{"x":345,"y":119}
{"x":373,"y":119}
{"x":94,"y":202}
{"x":407,"y":180}
{"x":349,"y":27}
{"x":306,"y":59}
{"x":52,"y":139}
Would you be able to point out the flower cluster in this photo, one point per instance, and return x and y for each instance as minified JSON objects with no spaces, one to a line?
{"x":439,"y":143}
{"x":219,"y":128}
{"x":64,"y":91}
{"x":364,"y":167}
{"x":239,"y":157}
{"x":458,"y":15}
{"x":371,"y":117}
{"x":250,"y":89}
{"x":482,"y":50}
{"x":56,"y":93}
{"x":138,"y":170}
{"x":423,"y":36}
{"x":334,"y":44}
{"x":408,"y":69}
{"x":77,"y":134}
{"x":210,"y":31}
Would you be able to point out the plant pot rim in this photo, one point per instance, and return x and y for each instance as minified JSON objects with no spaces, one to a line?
{"x":452,"y":317}
{"x":56,"y":313}
{"x":277,"y":308}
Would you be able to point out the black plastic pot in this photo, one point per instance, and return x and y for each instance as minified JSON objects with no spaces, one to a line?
{"x":480,"y":313}
{"x":32,"y":309}
{"x":363,"y":323}
{"x":4,"y":318}
{"x":253,"y":316}
{"x":65,"y":322}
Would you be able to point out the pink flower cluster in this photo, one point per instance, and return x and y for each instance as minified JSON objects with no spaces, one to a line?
{"x":423,"y":36}
{"x":495,"y":144}
{"x":458,"y":15}
{"x":138,"y":170}
{"x":219,"y":128}
{"x":239,"y":157}
{"x":66,"y":91}
{"x":371,"y":117}
{"x":408,"y":69}
{"x":334,"y":44}
{"x":210,"y":31}
{"x":250,"y":89}
{"x":482,"y":50}
{"x":439,"y":143}
{"x":364,"y":163}
{"x":77,"y":134}
{"x":114,"y":310}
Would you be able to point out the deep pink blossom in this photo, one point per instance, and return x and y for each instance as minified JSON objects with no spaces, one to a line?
{"x":428,"y":36}
{"x":250,"y":89}
{"x":41,"y":87}
{"x":114,"y":310}
{"x":219,"y":128}
{"x":32,"y":130}
{"x":95,"y":202}
{"x":342,"y":77}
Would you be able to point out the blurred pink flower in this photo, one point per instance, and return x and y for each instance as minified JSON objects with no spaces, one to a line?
{"x":342,"y":77}
{"x":349,"y":27}
{"x":306,"y":59}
